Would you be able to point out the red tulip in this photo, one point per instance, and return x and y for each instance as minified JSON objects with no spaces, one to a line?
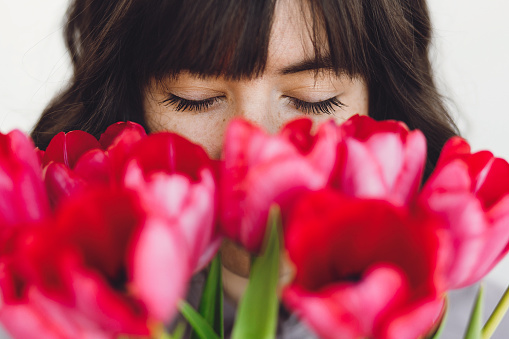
{"x":379,"y":159}
{"x":107,"y":165}
{"x":23,"y":198}
{"x":118,"y":141}
{"x":102,"y":268}
{"x":363,"y":268}
{"x":23,"y":203}
{"x":175,"y":181}
{"x":261,"y":169}
{"x":471,"y":192}
{"x":76,"y":160}
{"x":60,"y":158}
{"x":126,"y":133}
{"x":67,"y":148}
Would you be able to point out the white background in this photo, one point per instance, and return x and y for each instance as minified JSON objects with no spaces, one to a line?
{"x":470,"y":55}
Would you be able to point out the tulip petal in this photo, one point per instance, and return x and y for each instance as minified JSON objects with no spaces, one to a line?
{"x":67,"y":148}
{"x":159,"y":273}
{"x":413,"y":322}
{"x":453,"y":147}
{"x":349,"y":310}
{"x":495,"y":185}
{"x":125,"y":132}
{"x":95,"y":168}
{"x":61,"y":182}
{"x":412,"y":169}
{"x":24,"y":321}
{"x":18,"y":144}
{"x":261,"y":169}
{"x":360,"y":264}
{"x":469,"y":192}
{"x":99,"y":304}
{"x":44,"y":318}
{"x":188,"y":206}
{"x":22,"y":190}
{"x":379,"y":159}
{"x":362,"y":175}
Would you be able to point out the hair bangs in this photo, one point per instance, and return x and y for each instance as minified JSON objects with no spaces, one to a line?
{"x":230,"y":38}
{"x":339,"y":35}
{"x":209,"y":38}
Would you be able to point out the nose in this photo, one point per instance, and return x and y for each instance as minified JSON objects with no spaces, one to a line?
{"x":255,"y":101}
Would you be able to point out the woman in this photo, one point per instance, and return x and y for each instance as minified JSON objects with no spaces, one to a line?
{"x":127,"y":56}
{"x":191,"y":66}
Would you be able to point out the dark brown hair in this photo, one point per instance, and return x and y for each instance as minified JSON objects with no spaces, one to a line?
{"x":118,"y":46}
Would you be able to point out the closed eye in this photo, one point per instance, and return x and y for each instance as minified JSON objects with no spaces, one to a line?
{"x":182,"y":105}
{"x":319,"y":107}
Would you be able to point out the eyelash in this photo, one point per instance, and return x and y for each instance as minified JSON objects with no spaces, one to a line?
{"x":320,"y":107}
{"x":182,"y":104}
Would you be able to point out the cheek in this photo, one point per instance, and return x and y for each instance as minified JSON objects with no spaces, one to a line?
{"x":356,"y":100}
{"x":360,"y":101}
{"x":205,"y":130}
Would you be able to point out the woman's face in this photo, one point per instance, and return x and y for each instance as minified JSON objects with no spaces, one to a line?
{"x":200,"y":108}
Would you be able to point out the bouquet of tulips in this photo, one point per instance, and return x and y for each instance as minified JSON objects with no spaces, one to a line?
{"x":100,"y":238}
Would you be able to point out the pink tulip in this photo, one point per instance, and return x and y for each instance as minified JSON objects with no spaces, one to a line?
{"x":379,"y":159}
{"x":41,"y":317}
{"x":23,"y":203}
{"x":261,"y":169}
{"x":102,"y":268}
{"x":175,"y":181}
{"x":22,"y":194}
{"x":471,"y":192}
{"x":363,"y":268}
{"x":95,"y":313}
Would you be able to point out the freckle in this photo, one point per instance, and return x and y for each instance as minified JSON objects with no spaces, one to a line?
{"x":224,"y":119}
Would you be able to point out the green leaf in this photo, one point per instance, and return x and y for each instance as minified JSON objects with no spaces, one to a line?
{"x":211,"y":303}
{"x":197,"y":322}
{"x":179,"y":332}
{"x":441,"y":327}
{"x":164,"y":335}
{"x":497,"y":316}
{"x":475,"y":325}
{"x":258,"y":309}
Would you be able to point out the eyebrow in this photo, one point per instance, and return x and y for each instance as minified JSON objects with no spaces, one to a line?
{"x":308,"y":65}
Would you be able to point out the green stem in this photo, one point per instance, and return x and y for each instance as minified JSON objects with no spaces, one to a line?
{"x":497,"y":315}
